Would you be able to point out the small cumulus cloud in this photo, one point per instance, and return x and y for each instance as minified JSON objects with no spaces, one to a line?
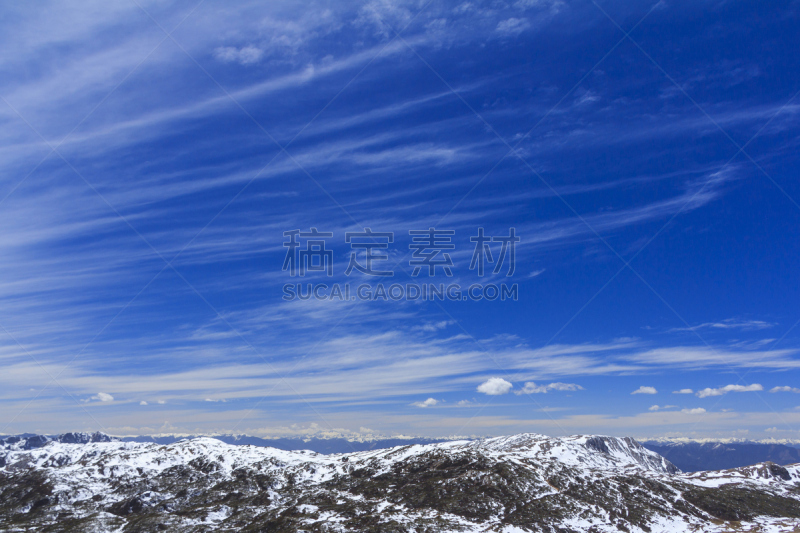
{"x":785,"y":388}
{"x":430,"y":402}
{"x":143,"y":402}
{"x":495,"y":386}
{"x":532,"y":388}
{"x":103,"y":397}
{"x":705,"y":393}
{"x":695,"y":411}
{"x":661,"y":407}
{"x":246,"y":55}
{"x":162,"y":402}
{"x":683,"y":391}
{"x":645,"y":390}
{"x":464,"y":403}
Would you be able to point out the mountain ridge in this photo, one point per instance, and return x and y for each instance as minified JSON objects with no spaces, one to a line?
{"x":320,"y":445}
{"x":524,"y":482}
{"x":689,"y":456}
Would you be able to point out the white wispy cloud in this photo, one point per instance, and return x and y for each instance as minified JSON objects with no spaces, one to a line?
{"x":695,"y":411}
{"x":532,"y":388}
{"x":347,"y":367}
{"x":434,"y":326}
{"x":512,"y":26}
{"x":730,"y":323}
{"x":247,"y":55}
{"x":699,"y":357}
{"x":705,"y":393}
{"x":683,"y":391}
{"x":645,"y":390}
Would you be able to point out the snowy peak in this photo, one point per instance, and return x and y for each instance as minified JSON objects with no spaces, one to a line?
{"x":83,"y":438}
{"x":762,"y":473}
{"x":631,"y":451}
{"x":29,"y":442}
{"x":595,"y":451}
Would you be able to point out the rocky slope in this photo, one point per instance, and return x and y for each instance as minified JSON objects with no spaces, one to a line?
{"x":520,"y":483}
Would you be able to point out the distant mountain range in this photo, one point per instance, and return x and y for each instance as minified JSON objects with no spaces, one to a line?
{"x":28,"y":441}
{"x":519,"y":483}
{"x":326,"y":445}
{"x":697,"y":456}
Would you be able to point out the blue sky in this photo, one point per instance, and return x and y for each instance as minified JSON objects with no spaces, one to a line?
{"x":153,"y":154}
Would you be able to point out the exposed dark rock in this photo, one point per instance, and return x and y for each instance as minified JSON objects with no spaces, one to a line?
{"x":530,"y":482}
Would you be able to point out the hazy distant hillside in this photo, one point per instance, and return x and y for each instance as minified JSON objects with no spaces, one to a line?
{"x":336,"y":445}
{"x":696,"y":456}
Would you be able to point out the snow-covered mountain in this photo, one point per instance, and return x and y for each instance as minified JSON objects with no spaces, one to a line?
{"x":30,"y":441}
{"x":524,"y":482}
{"x":323,"y":444}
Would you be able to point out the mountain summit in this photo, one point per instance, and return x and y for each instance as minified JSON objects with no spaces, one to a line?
{"x":525,"y":482}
